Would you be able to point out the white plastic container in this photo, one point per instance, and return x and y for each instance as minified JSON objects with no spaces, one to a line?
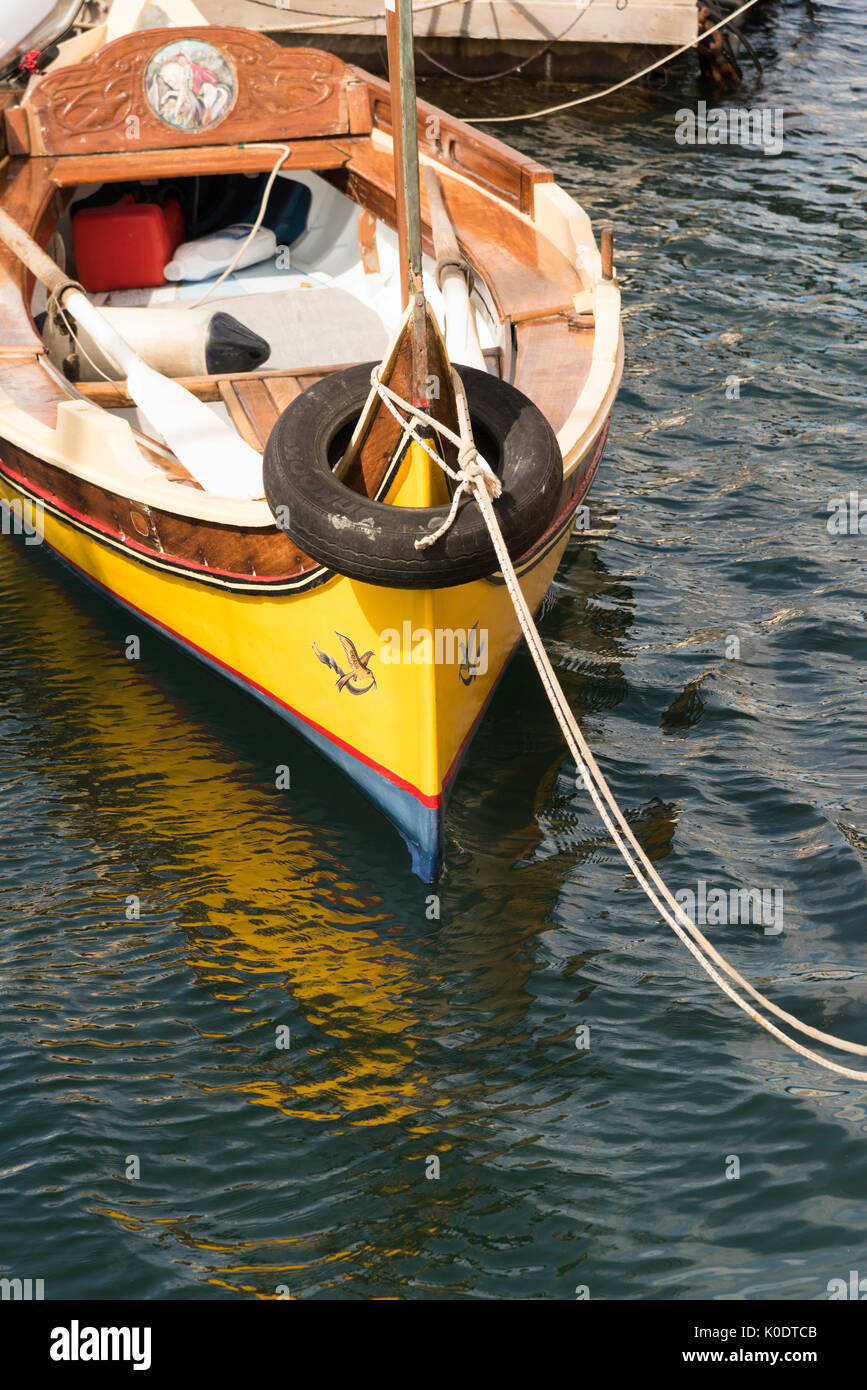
{"x":202,"y":259}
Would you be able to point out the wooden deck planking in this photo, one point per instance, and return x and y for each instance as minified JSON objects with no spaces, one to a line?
{"x":553,"y":362}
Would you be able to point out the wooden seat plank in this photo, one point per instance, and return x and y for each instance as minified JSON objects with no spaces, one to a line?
{"x":283,"y":390}
{"x":73,"y":170}
{"x":553,"y":361}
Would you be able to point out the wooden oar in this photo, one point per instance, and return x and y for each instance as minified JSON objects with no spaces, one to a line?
{"x":209,"y":449}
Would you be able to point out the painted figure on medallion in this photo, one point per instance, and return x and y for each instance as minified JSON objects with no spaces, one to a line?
{"x":190,"y":85}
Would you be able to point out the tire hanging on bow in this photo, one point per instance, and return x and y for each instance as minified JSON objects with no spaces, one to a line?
{"x":377,"y":543}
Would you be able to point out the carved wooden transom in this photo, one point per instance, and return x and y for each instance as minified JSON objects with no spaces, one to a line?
{"x":161,"y":88}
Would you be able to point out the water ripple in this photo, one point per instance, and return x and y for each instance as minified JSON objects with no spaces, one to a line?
{"x":542,"y":1042}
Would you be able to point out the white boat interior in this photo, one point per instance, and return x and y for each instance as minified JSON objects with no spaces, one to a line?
{"x":328,"y":297}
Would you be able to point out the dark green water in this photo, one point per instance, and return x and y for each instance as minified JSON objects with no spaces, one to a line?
{"x":305,"y":1168}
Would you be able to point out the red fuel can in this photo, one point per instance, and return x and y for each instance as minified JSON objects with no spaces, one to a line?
{"x":126,"y":246}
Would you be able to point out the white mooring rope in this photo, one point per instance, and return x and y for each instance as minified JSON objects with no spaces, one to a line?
{"x":616,"y":86}
{"x":475,"y":475}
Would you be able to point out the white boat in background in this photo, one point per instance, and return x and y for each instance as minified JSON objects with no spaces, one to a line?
{"x":28,"y":25}
{"x":591,"y":40}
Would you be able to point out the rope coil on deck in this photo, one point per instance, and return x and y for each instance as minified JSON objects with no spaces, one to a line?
{"x":474,"y":476}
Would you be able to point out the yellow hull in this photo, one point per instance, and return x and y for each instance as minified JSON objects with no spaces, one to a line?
{"x":388,"y":683}
{"x":398,"y":724}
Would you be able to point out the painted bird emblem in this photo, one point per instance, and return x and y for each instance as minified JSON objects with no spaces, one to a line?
{"x":471,"y":656}
{"x":359,"y":678}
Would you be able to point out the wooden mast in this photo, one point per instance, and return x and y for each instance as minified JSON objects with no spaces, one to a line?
{"x":404,"y":125}
{"x":416,"y":366}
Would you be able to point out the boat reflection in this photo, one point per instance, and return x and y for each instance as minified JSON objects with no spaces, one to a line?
{"x":180,"y":790}
{"x":283,"y":921}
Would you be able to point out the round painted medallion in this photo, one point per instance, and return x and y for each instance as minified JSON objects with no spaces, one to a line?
{"x":190,"y":85}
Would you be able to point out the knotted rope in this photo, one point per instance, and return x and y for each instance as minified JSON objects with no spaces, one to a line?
{"x":475,"y":476}
{"x":471,"y":470}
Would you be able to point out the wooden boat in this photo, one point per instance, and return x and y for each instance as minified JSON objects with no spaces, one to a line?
{"x":388,"y":681}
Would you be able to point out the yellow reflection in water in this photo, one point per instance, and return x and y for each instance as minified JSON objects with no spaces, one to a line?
{"x":262,"y":896}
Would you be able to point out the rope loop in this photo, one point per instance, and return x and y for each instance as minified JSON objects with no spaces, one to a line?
{"x":472,"y":472}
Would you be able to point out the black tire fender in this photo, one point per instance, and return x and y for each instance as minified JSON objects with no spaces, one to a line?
{"x":375,"y":542}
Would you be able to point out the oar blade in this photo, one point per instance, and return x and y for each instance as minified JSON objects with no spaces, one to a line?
{"x":209,"y":449}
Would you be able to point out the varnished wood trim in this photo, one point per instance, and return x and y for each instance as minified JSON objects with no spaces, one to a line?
{"x":488,"y":162}
{"x":358,"y":101}
{"x":283,"y":385}
{"x":17,"y":135}
{"x":26,"y":193}
{"x":279,"y":94}
{"x":207,"y":388}
{"x":553,"y":362}
{"x":208,"y":159}
{"x":527,"y":275}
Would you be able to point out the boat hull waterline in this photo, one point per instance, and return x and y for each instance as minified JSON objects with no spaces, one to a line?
{"x":389,"y":682}
{"x":399,"y":734}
